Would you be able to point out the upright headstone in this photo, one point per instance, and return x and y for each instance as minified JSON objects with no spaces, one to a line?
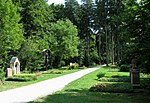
{"x":45,"y":53}
{"x":15,"y":65}
{"x":9,"y":72}
{"x":134,"y":74}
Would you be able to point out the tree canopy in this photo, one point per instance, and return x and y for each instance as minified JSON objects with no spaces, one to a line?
{"x":11,"y":31}
{"x":93,"y":32}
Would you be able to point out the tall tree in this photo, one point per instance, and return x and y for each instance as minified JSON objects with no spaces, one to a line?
{"x":71,"y":11}
{"x":137,"y":30}
{"x":116,"y":25}
{"x":66,"y":40}
{"x":99,"y":18}
{"x":11,"y":32}
{"x":58,"y":11}
{"x":102,"y":26}
{"x":107,"y":20}
{"x":86,"y":27}
{"x":36,"y":18}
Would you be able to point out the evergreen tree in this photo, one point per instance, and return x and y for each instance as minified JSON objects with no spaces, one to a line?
{"x":36,"y":18}
{"x":86,"y":28}
{"x":58,"y":11}
{"x":71,"y":11}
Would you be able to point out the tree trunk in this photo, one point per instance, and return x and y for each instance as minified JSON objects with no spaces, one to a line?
{"x":88,"y":49}
{"x":107,"y":45}
{"x":113,"y":51}
{"x":99,"y":48}
{"x":118,"y":50}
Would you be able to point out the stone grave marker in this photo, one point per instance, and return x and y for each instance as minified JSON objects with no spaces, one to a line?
{"x":9,"y":72}
{"x":134,"y":74}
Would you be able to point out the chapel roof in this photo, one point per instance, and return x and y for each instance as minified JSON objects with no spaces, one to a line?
{"x":14,"y":59}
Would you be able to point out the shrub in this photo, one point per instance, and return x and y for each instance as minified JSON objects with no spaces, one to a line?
{"x":113,"y":66}
{"x":101,"y":74}
{"x":120,"y":79}
{"x":112,"y":88}
{"x":38,"y":74}
{"x":124,"y":68}
{"x":97,"y":87}
{"x":62,"y":63}
{"x":74,"y":66}
{"x":2,"y":75}
{"x":54,"y":71}
{"x":145,"y":83}
{"x":23,"y":77}
{"x":64,"y":68}
{"x":50,"y":67}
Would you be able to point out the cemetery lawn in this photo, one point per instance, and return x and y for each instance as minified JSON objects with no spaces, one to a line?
{"x":78,"y":91}
{"x":41,"y":76}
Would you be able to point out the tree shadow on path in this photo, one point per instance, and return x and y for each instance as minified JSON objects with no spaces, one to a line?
{"x":84,"y":96}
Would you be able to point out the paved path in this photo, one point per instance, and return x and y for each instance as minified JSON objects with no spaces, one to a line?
{"x":34,"y":91}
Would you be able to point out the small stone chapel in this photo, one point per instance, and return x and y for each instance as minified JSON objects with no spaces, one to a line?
{"x":15,"y":65}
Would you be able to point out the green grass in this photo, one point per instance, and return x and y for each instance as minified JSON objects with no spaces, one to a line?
{"x":78,"y":92}
{"x":41,"y":76}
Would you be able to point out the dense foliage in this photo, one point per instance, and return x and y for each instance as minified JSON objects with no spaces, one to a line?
{"x":10,"y":30}
{"x":93,"y":32}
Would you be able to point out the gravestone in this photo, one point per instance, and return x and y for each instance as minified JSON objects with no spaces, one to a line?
{"x":15,"y":65}
{"x":9,"y":72}
{"x":45,"y":53}
{"x":134,"y":74}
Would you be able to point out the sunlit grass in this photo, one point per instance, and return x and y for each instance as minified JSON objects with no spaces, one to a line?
{"x":78,"y":92}
{"x":41,"y":77}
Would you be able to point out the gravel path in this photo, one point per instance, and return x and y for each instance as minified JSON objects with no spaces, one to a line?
{"x":34,"y":91}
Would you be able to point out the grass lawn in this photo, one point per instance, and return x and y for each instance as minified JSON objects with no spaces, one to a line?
{"x":42,"y":76}
{"x":78,"y":92}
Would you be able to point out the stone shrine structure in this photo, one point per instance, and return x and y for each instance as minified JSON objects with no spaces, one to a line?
{"x":15,"y":65}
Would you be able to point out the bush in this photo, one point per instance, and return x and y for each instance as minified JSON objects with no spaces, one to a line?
{"x":64,"y":68}
{"x":97,"y":87}
{"x":62,"y":63}
{"x":23,"y":77}
{"x":112,"y":88}
{"x":2,"y":75}
{"x":101,"y":74}
{"x":124,"y":68}
{"x":54,"y":71}
{"x":74,"y":66}
{"x":145,"y":82}
{"x":120,"y":79}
